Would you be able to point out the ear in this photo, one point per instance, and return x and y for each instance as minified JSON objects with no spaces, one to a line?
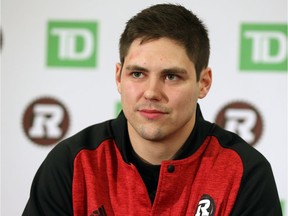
{"x":118,"y":76}
{"x":205,"y":82}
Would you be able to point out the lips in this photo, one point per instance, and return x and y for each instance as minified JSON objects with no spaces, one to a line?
{"x":152,"y":113}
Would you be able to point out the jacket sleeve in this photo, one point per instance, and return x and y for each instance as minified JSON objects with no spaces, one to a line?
{"x":51,"y":190}
{"x":258,"y":194}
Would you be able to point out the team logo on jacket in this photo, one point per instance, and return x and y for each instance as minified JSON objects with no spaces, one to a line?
{"x":206,"y":206}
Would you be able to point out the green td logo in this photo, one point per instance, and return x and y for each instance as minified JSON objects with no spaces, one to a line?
{"x":263,"y":47}
{"x":118,"y":108}
{"x":72,"y":44}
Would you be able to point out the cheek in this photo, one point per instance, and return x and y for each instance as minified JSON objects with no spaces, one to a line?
{"x":183,"y":98}
{"x":129,"y":92}
{"x":184,"y":107}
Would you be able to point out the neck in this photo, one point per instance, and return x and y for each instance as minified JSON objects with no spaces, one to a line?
{"x":153,"y":153}
{"x":156,"y":151}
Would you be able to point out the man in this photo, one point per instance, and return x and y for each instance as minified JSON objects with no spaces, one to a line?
{"x":159,"y":156}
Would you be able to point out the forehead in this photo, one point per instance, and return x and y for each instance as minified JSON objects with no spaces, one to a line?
{"x":158,"y":45}
{"x":163,"y":51}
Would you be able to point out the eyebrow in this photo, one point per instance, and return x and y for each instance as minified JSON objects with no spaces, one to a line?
{"x":173,"y":70}
{"x":136,"y":68}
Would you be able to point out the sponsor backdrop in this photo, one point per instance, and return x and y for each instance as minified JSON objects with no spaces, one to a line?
{"x":58,"y":66}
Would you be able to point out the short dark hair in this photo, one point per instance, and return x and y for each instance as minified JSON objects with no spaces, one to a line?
{"x":172,"y":21}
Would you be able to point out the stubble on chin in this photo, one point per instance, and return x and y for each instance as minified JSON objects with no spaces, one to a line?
{"x":150,"y":134}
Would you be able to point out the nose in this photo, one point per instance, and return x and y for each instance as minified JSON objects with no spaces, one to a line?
{"x":154,"y":90}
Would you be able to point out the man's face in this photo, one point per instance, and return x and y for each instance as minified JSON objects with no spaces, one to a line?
{"x":159,"y":90}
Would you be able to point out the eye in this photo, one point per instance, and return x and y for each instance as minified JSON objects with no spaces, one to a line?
{"x":171,"y":77}
{"x":137,"y":75}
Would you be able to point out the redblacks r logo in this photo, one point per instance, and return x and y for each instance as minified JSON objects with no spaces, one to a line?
{"x":45,"y":121}
{"x":206,"y":206}
{"x":241,"y":118}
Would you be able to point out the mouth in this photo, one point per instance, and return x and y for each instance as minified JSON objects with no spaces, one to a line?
{"x":152,"y":113}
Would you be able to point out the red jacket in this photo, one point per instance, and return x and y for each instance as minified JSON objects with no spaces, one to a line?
{"x":90,"y":174}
